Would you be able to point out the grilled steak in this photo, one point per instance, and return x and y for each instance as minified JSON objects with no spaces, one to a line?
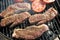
{"x":9,"y":11}
{"x":15,"y":8}
{"x":30,"y":32}
{"x":15,"y":19}
{"x":42,"y":18}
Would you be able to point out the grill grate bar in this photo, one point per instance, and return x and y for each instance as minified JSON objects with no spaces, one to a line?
{"x":51,"y":25}
{"x":24,"y":24}
{"x":1,"y":6}
{"x":6,"y":4}
{"x":2,"y":9}
{"x":46,"y":37}
{"x":57,"y":18}
{"x":54,"y":24}
{"x":42,"y":37}
{"x":10,"y":33}
{"x":21,"y":26}
{"x":9,"y":1}
{"x":55,"y":27}
{"x":58,"y":3}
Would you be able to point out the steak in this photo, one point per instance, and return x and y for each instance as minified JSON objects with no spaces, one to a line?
{"x":14,"y":19}
{"x":30,"y":32}
{"x":42,"y":18}
{"x":15,"y":8}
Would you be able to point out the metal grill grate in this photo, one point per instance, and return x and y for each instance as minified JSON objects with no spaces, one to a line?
{"x":54,"y":24}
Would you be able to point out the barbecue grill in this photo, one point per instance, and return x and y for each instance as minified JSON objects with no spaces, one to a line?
{"x":54,"y":24}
